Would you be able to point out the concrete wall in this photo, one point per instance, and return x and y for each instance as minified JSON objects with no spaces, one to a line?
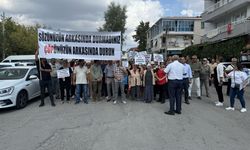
{"x":198,"y":32}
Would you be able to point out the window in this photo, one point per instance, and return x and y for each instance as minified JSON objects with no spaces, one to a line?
{"x":202,"y":25}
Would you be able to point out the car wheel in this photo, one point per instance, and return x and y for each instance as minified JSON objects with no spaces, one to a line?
{"x":21,"y":100}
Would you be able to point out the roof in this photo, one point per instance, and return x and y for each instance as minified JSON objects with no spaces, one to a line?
{"x":21,"y":57}
{"x":21,"y":67}
{"x":182,"y":17}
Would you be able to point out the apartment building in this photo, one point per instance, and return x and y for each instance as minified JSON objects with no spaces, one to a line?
{"x":225,"y":19}
{"x":170,"y":35}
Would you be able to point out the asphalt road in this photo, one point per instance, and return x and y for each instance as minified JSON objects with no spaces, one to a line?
{"x":131,"y":126}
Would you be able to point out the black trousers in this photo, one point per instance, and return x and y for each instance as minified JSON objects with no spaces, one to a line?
{"x":175,"y":87}
{"x":185,"y":88}
{"x":219,"y":91}
{"x":73,"y":90}
{"x":228,"y":87}
{"x":162,"y":94}
{"x":46,"y":84}
{"x":64,"y":87}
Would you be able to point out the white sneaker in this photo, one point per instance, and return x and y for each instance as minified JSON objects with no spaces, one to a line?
{"x":216,"y":102}
{"x":219,"y":104}
{"x":124,"y":102}
{"x":230,"y":108}
{"x":114,"y":102}
{"x":243,"y":110}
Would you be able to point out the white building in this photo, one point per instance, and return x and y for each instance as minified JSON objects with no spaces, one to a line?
{"x":170,"y":35}
{"x":225,"y":19}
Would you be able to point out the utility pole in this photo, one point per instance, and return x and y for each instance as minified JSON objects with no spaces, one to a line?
{"x":3,"y":31}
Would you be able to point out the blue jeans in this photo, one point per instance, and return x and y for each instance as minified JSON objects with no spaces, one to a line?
{"x":240,"y":95}
{"x":81,"y":88}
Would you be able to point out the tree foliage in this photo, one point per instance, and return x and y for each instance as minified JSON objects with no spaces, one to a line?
{"x":18,"y":39}
{"x":226,"y":49}
{"x":141,"y":35}
{"x":115,"y":19}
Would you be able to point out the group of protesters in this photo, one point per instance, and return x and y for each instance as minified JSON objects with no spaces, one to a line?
{"x":111,"y":81}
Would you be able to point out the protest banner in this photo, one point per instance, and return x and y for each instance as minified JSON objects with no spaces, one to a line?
{"x":63,"y":73}
{"x":79,"y":45}
{"x":132,"y":54}
{"x":148,"y":58}
{"x":125,"y":63}
{"x":140,"y":60}
{"x":158,"y":58}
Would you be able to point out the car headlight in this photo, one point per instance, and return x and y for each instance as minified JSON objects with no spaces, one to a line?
{"x":6,"y":91}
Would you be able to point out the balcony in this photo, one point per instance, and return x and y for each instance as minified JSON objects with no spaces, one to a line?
{"x":217,"y":6}
{"x":221,"y":8}
{"x":238,"y":28}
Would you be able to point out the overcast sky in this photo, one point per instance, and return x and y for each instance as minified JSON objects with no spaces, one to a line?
{"x":88,"y":15}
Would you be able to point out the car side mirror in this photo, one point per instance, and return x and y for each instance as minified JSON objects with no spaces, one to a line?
{"x":32,"y":77}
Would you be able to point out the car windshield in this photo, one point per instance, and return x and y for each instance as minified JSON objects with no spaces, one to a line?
{"x":12,"y":73}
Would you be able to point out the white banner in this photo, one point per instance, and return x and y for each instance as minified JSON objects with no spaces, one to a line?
{"x":125,"y":64}
{"x":158,"y":58}
{"x":79,"y":45}
{"x":63,"y":73}
{"x":140,"y":60}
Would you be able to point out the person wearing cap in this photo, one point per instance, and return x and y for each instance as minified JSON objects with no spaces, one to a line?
{"x":205,"y":75}
{"x":148,"y":82}
{"x":44,"y":70}
{"x":65,"y":82}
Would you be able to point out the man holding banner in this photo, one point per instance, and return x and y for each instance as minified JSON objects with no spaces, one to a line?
{"x":44,"y":70}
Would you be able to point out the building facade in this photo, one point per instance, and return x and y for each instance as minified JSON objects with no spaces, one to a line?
{"x":170,"y":35}
{"x":225,"y":19}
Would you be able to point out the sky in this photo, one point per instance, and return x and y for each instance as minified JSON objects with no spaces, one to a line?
{"x":88,"y":15}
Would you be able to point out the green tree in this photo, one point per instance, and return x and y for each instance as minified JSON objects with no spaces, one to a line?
{"x":115,"y":19}
{"x":141,"y":35}
{"x":18,"y":39}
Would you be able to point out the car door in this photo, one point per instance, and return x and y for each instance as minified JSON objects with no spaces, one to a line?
{"x":33,"y":86}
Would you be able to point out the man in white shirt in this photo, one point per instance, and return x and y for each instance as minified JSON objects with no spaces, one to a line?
{"x":187,"y":77}
{"x":218,"y":81}
{"x":175,"y":71}
{"x":80,"y":80}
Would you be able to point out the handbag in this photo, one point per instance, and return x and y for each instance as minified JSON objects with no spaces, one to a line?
{"x":236,"y":85}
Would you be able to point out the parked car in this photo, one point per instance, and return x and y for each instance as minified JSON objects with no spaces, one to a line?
{"x":20,"y":58}
{"x":8,"y":65}
{"x":18,"y":85}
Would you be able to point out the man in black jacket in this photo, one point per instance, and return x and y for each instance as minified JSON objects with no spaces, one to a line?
{"x":44,"y":70}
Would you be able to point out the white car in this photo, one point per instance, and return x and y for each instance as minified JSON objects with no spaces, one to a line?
{"x":18,"y":85}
